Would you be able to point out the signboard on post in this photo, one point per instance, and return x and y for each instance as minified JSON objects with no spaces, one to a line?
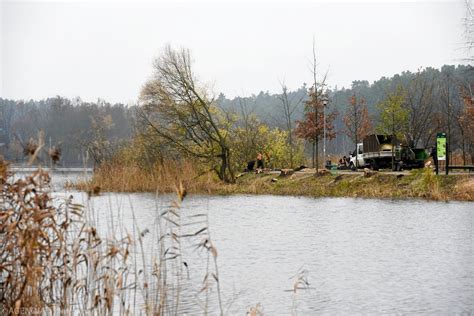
{"x":441,"y":146}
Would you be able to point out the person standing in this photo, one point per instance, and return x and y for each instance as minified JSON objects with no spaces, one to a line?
{"x":434,"y":154}
{"x":260,"y":164}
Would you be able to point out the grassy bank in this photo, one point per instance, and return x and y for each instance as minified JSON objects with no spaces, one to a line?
{"x":417,"y":184}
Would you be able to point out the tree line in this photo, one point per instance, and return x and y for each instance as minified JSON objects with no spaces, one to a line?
{"x":413,"y":105}
{"x":187,"y":117}
{"x":83,"y":132}
{"x":178,"y":117}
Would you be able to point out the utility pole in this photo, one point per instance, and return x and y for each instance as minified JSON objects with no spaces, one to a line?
{"x":393,"y":139}
{"x":447,"y":154}
{"x":448,"y":136}
{"x":315,"y":141}
{"x":325,"y":103}
{"x":324,"y":129}
{"x":356,"y":128}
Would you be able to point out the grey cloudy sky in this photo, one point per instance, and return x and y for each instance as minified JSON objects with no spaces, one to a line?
{"x":105,"y":49}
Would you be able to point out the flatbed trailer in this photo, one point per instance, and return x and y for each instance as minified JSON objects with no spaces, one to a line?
{"x":378,"y":151}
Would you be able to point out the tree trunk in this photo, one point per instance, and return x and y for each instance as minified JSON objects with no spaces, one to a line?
{"x":291,"y":150}
{"x":231,"y":176}
{"x":221,"y":172}
{"x":226,"y":172}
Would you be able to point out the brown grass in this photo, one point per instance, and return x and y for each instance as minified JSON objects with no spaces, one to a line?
{"x":3,"y":170}
{"x":464,"y":190}
{"x":30,"y":147}
{"x":54,"y":261}
{"x":55,"y":154}
{"x":161,"y":178}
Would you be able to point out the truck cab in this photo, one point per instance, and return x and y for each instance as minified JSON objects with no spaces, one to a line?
{"x":357,"y":159}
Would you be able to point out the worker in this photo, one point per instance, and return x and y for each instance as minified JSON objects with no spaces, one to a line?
{"x":434,"y":154}
{"x":260,"y":164}
{"x":250,"y":165}
{"x":341,"y":162}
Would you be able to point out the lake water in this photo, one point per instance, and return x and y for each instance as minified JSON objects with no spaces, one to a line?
{"x":359,"y":256}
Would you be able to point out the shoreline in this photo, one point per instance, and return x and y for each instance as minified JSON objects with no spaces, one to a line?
{"x":418,"y":184}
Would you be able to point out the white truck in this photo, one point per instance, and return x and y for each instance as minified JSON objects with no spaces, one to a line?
{"x":375,"y":152}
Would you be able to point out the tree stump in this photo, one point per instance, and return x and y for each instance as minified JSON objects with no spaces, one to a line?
{"x":286,"y":172}
{"x":369,"y":173}
{"x":322,"y":173}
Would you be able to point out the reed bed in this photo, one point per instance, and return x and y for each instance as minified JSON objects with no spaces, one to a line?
{"x":54,"y":260}
{"x":162,"y":177}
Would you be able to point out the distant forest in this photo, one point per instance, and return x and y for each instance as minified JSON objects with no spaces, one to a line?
{"x":435,"y":100}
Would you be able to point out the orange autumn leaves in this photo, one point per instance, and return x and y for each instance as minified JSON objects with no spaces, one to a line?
{"x":316,"y":119}
{"x":356,"y":119}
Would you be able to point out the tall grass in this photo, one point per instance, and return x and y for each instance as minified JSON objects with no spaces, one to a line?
{"x":430,"y":184}
{"x":53,"y":259}
{"x":162,"y":177}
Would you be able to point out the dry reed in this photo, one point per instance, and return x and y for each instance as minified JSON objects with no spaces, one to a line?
{"x":54,"y":260}
{"x":162,"y":177}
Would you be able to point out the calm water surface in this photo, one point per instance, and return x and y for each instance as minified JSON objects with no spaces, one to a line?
{"x":360,"y":256}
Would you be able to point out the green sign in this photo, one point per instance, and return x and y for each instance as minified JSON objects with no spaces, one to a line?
{"x":441,"y":146}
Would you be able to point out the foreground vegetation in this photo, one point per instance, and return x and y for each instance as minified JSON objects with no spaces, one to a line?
{"x":57,"y":259}
{"x":54,"y":260}
{"x":417,"y":184}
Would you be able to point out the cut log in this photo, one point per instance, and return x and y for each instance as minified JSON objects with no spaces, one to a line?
{"x":322,"y":173}
{"x":369,"y":173}
{"x":286,"y":172}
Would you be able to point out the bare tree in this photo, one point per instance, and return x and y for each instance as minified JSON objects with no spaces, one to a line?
{"x":466,"y":123}
{"x":249,"y":123}
{"x":356,"y":119}
{"x":420,"y":100}
{"x":315,"y":113}
{"x":289,"y":107}
{"x":182,"y":112}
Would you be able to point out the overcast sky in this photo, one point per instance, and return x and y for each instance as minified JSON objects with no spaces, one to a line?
{"x":105,"y":50}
